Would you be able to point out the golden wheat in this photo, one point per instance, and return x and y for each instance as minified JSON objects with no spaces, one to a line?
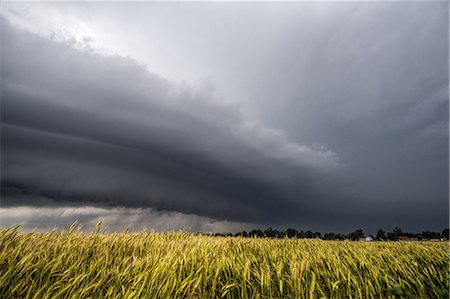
{"x":181,"y":265}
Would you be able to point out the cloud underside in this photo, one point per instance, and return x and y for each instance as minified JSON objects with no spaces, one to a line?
{"x":82,"y":128}
{"x":113,"y":220}
{"x":85,"y":135}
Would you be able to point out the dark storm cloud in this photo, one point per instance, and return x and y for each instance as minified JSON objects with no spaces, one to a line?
{"x":372,"y":85}
{"x":368,"y":80}
{"x":82,"y":128}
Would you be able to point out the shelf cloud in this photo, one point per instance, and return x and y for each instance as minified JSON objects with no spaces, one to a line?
{"x":360,"y":139}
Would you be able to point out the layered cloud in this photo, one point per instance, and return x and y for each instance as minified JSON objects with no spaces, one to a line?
{"x":319,"y":116}
{"x":113,"y":219}
{"x":85,"y":128}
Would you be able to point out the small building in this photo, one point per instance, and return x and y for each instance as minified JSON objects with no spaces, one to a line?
{"x":367,"y":239}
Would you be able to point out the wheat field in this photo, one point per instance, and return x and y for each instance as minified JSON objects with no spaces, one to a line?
{"x":72,"y":264}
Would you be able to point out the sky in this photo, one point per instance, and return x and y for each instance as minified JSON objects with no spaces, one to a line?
{"x":225,"y":116}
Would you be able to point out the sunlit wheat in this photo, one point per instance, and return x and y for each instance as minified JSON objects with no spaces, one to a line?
{"x":167,"y":265}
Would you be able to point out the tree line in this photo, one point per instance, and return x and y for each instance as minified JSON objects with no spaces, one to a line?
{"x":381,"y":235}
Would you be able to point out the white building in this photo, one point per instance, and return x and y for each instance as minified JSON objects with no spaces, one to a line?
{"x":367,"y":239}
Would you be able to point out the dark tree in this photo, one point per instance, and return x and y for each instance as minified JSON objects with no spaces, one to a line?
{"x":309,"y":234}
{"x":340,"y":237}
{"x":329,"y":236}
{"x":391,"y":236}
{"x":357,"y":234}
{"x":291,"y":233}
{"x":397,"y":232}
{"x":256,"y":233}
{"x":269,"y":233}
{"x":241,"y":234}
{"x":381,"y":235}
{"x":430,"y":235}
{"x":301,"y":234}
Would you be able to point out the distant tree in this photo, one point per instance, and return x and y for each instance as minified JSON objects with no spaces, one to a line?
{"x":427,"y":235}
{"x":291,"y":233}
{"x":241,"y":234}
{"x":309,"y":234}
{"x":357,"y":234}
{"x":409,"y":235}
{"x":340,"y":237}
{"x":269,"y":233}
{"x":301,"y":234}
{"x":256,"y":233}
{"x":330,"y":236}
{"x":391,"y":236}
{"x":397,"y":232}
{"x":381,"y":235}
{"x":278,"y":234}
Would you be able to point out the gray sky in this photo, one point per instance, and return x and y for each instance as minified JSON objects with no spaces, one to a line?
{"x":222,"y":116}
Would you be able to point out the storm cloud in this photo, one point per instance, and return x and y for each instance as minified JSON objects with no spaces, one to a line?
{"x":328,"y":128}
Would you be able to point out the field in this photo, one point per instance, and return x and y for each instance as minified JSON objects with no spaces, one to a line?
{"x":173,"y":265}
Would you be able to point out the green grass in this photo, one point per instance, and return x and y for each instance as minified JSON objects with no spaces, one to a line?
{"x":173,"y":265}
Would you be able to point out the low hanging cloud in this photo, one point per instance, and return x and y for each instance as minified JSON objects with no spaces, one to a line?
{"x":83,"y":128}
{"x":113,"y":219}
{"x":322,"y":116}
